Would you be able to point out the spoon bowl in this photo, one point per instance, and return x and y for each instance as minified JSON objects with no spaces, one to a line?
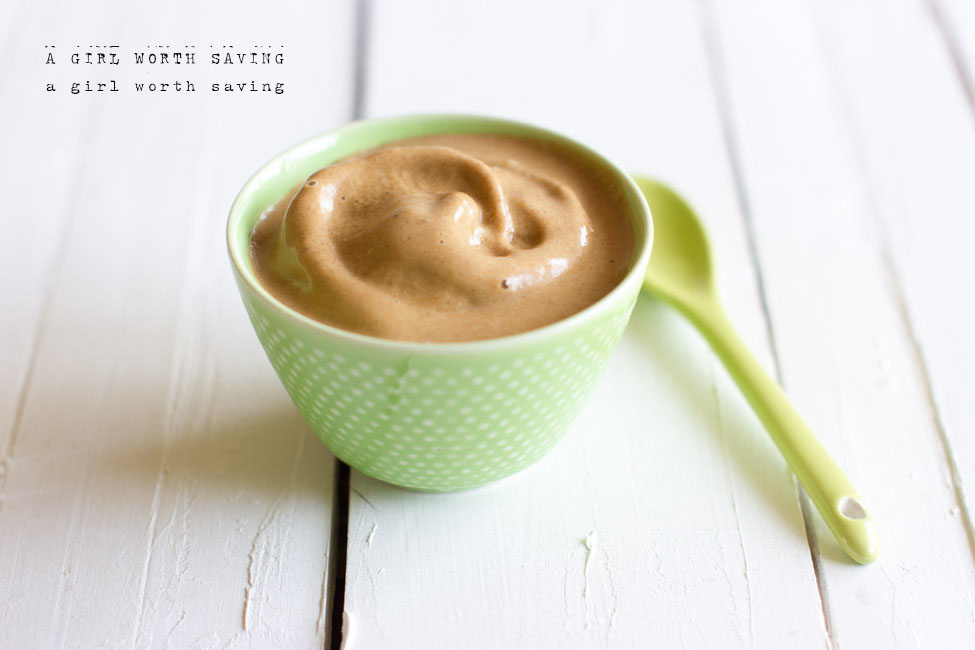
{"x":680,"y":266}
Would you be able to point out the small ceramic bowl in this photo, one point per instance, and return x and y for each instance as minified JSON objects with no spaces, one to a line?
{"x":431,"y":416}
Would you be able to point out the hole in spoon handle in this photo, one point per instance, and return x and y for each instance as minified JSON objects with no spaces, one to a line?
{"x":853,"y":527}
{"x":851,"y":508}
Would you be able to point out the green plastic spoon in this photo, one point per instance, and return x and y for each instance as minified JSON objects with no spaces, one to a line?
{"x":680,"y":273}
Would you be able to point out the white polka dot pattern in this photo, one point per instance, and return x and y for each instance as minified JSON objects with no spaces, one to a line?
{"x":438,"y":421}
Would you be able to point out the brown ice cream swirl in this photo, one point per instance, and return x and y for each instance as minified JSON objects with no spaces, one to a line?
{"x":425,"y":242}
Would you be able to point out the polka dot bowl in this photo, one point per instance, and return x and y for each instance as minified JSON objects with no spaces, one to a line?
{"x":431,"y":416}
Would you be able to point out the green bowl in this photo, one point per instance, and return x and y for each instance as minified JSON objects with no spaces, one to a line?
{"x":431,"y":416}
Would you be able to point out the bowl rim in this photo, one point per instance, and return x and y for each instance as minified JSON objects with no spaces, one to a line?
{"x":324,"y":140}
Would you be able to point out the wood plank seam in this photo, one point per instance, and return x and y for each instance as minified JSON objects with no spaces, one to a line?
{"x":932,"y":405}
{"x":951,"y":42}
{"x":338,"y":552}
{"x":54,"y":271}
{"x":338,"y":555}
{"x":896,"y":285}
{"x":360,"y":57}
{"x":713,"y":48}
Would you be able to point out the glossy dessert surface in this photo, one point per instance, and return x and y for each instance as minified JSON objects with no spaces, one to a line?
{"x":454,"y":237}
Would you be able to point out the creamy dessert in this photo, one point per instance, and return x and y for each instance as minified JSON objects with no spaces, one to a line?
{"x":454,"y":237}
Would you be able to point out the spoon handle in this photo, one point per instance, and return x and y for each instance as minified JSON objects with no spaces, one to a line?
{"x":825,"y":483}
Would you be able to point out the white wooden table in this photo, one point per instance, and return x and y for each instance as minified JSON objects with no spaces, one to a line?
{"x":158,"y":489}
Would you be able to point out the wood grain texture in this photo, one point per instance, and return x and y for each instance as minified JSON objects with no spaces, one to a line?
{"x":159,"y":489}
{"x":666,"y":513}
{"x":846,"y":96}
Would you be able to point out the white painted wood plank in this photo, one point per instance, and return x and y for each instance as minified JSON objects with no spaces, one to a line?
{"x":810,"y":146}
{"x":162,"y":491}
{"x":694,"y":533}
